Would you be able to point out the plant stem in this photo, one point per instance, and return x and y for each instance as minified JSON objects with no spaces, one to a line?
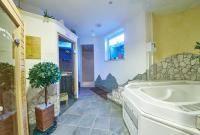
{"x":46,"y":98}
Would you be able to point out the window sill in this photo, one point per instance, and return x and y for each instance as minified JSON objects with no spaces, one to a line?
{"x":114,"y":60}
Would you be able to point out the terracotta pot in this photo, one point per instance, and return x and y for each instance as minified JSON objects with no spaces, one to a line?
{"x":44,"y":116}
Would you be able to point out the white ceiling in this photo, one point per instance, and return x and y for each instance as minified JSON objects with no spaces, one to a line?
{"x":83,"y":15}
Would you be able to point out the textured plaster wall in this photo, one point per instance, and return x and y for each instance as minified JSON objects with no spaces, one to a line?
{"x":176,"y":33}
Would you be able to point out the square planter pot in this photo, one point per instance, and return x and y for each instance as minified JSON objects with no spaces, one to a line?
{"x":8,"y":123}
{"x":44,"y":116}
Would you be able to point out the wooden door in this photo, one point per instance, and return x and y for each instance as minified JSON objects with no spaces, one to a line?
{"x":87,"y":63}
{"x":14,"y":58}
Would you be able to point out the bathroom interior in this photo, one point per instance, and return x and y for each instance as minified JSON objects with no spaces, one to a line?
{"x":144,"y":54}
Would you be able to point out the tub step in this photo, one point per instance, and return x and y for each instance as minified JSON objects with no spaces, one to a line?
{"x":190,"y":108}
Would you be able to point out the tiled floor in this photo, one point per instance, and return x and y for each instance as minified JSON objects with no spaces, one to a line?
{"x":91,"y":115}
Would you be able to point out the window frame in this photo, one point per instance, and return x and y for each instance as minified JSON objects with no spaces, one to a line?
{"x":107,"y":50}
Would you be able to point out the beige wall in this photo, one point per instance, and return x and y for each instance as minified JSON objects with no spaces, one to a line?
{"x":176,"y":33}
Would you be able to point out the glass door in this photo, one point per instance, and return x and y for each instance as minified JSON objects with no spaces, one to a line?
{"x":8,"y":114}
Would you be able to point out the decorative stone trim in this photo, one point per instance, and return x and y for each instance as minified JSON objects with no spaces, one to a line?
{"x":109,"y":84}
{"x":183,"y":66}
{"x":116,"y":95}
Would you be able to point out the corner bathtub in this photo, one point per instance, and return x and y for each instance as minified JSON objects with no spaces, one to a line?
{"x":176,"y":102}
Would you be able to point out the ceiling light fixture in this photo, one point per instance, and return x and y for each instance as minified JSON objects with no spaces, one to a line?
{"x":110,"y":2}
{"x":93,"y":33}
{"x":98,"y":25}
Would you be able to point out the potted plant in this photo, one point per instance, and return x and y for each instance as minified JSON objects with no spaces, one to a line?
{"x":6,"y":84}
{"x":47,"y":16}
{"x":7,"y":99}
{"x":42,"y":75}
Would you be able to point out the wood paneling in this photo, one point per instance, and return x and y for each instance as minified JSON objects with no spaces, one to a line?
{"x":87,"y":63}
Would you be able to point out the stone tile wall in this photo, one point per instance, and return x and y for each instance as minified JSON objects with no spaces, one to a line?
{"x":108,"y":84}
{"x":183,"y":66}
{"x":36,"y":97}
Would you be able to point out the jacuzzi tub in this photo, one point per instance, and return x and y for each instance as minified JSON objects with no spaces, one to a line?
{"x":177,"y":102}
{"x":181,"y":94}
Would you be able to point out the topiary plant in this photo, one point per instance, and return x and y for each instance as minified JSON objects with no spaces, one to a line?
{"x":43,"y":75}
{"x":46,"y":14}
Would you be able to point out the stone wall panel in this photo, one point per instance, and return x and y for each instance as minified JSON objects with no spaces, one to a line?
{"x":183,"y":66}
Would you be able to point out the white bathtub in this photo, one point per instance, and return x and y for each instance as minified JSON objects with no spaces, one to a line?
{"x":159,"y":83}
{"x":181,"y":94}
{"x":176,"y":102}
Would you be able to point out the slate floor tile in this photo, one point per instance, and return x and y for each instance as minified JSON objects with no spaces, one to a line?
{"x":102,"y":123}
{"x":87,"y":121}
{"x":99,"y":132}
{"x":82,"y":131}
{"x":91,"y":115}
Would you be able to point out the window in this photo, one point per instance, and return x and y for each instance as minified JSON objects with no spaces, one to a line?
{"x":65,"y":44}
{"x":114,"y":46}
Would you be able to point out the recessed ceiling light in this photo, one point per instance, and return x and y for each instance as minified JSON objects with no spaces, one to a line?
{"x":98,"y":25}
{"x":93,"y":34}
{"x":110,"y":2}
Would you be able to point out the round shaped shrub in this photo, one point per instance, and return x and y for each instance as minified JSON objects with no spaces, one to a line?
{"x":43,"y":75}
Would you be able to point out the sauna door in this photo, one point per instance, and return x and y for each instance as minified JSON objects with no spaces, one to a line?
{"x":8,"y":113}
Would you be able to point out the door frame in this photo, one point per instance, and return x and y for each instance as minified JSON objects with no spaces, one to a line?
{"x":21,"y":103}
{"x":75,"y":63}
{"x":86,"y":84}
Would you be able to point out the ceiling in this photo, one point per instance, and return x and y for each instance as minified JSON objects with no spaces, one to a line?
{"x":96,"y":17}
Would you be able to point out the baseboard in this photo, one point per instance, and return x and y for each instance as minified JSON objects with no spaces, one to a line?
{"x":87,"y":84}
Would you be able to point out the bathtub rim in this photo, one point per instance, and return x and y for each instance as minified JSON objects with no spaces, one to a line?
{"x":168,"y":102}
{"x":139,"y":93}
{"x":189,"y":130}
{"x":156,"y":108}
